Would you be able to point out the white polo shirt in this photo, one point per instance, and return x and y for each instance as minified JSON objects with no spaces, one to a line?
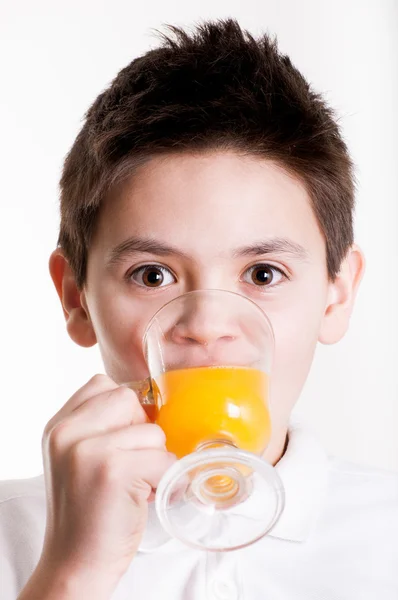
{"x":337,"y":539}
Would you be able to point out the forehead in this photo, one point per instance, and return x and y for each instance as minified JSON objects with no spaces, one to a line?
{"x":209,"y":203}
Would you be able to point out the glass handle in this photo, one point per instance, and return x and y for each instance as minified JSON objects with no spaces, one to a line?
{"x":145,"y":392}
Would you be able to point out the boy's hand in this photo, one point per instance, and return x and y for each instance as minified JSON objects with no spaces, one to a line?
{"x":102,"y":463}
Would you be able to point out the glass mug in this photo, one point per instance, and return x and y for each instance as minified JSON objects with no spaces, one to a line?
{"x":209,"y":355}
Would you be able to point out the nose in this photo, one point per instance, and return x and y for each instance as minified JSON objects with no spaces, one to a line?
{"x":204,"y":322}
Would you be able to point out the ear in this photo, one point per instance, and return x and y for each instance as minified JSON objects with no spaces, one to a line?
{"x":341,"y":297}
{"x":74,"y":305}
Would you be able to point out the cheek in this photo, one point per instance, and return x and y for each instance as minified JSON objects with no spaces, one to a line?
{"x":296,"y":331}
{"x":120,"y":323}
{"x":295,"y":341}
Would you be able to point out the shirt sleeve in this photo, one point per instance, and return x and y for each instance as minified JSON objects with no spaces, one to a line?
{"x":22,"y":524}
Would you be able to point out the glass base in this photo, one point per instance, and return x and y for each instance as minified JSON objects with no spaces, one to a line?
{"x":219,"y":499}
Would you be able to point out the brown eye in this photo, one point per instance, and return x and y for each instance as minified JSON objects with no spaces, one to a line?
{"x":152,"y":276}
{"x":264,"y":275}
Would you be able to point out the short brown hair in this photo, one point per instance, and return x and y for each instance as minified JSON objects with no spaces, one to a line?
{"x":214,"y":88}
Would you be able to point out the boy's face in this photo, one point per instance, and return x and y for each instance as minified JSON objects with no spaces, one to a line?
{"x":207,"y":207}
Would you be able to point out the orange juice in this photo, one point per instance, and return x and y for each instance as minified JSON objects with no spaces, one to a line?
{"x":203,"y":404}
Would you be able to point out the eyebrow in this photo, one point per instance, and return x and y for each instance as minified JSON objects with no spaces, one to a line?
{"x":136,"y":245}
{"x":273,"y":246}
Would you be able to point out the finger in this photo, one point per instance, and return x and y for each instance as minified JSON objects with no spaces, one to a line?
{"x":112,"y":409}
{"x":107,"y":412}
{"x":135,"y":437}
{"x":147,"y":465}
{"x":140,"y":437}
{"x":129,"y":467}
{"x":97,"y":384}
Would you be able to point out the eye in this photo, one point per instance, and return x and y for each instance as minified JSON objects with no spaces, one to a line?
{"x":151,"y":276}
{"x":265,"y":275}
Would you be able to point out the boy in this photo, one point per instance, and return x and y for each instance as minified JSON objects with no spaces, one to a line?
{"x":208,"y":163}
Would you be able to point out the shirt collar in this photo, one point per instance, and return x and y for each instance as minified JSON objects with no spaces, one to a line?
{"x":303,"y":470}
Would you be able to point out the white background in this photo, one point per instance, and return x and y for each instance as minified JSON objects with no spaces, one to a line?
{"x":56,"y":56}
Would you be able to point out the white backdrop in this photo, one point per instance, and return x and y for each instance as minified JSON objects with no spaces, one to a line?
{"x":55,"y":58}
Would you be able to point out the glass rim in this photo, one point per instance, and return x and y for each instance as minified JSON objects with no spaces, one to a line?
{"x":205,"y":291}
